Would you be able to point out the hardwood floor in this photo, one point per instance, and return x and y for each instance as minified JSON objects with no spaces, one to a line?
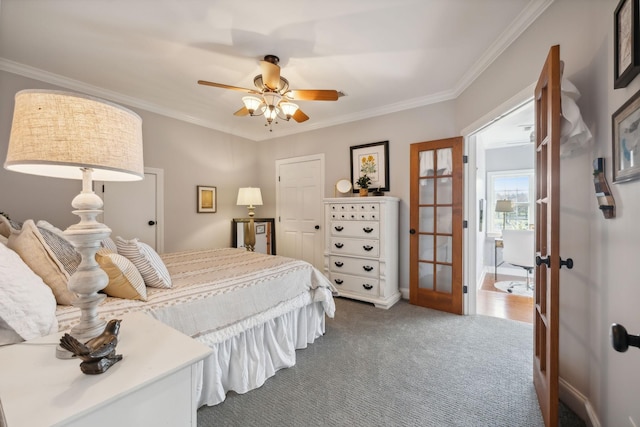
{"x":494,"y":302}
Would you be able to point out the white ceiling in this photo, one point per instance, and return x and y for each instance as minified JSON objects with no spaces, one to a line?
{"x":385,"y":55}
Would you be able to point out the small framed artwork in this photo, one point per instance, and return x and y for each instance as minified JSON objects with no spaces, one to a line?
{"x":260,"y":228}
{"x":626,"y":140}
{"x":626,"y":61}
{"x":371,"y":160}
{"x":207,"y":199}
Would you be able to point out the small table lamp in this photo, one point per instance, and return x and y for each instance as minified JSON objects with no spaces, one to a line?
{"x":505,"y":207}
{"x":69,"y":135}
{"x":249,"y":196}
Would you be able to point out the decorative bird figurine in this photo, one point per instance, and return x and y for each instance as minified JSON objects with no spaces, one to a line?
{"x":99,"y":353}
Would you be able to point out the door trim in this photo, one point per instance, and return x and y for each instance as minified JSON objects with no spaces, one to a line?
{"x":159,"y":173}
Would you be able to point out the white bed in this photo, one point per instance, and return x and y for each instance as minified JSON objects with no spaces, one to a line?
{"x":253,"y":310}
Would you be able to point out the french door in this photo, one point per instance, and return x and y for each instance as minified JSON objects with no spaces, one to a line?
{"x":435,"y":272}
{"x":547,"y":271}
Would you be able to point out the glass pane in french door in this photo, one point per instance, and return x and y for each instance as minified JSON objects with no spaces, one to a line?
{"x":435,"y":225}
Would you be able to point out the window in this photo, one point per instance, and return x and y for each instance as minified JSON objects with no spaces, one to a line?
{"x":516,"y":186}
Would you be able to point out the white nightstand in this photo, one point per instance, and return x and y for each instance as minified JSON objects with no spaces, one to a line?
{"x":153,"y":385}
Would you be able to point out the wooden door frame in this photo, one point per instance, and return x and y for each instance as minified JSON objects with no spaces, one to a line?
{"x":452,"y":302}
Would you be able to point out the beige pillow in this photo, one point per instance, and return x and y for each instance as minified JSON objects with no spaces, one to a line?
{"x":30,"y":245}
{"x":124,"y":279}
{"x":5,"y":226}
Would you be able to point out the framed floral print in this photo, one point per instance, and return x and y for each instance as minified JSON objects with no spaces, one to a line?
{"x":371,"y":160}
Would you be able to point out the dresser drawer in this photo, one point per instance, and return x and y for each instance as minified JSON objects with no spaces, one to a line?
{"x":362,"y":247}
{"x":355,"y":211}
{"x":363,"y":229}
{"x":357,"y":266}
{"x":361,"y":285}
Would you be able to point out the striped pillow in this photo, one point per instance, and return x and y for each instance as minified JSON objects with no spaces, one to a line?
{"x":62,"y":249}
{"x":146,"y":260}
{"x":109,"y":244}
{"x":125,"y":280}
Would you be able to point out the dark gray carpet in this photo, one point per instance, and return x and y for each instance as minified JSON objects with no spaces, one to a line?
{"x":407,"y":366}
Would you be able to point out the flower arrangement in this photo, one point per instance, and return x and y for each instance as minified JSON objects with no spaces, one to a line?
{"x":364,"y":181}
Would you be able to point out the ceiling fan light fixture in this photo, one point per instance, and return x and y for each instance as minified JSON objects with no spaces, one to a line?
{"x":272,"y":99}
{"x":288,"y":109}
{"x":270,"y":112}
{"x":251,"y":103}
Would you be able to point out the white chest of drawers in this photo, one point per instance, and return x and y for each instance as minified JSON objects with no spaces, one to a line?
{"x":361,"y":248}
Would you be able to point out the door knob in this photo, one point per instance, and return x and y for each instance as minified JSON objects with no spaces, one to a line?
{"x":545,"y":260}
{"x":152,"y":222}
{"x":412,"y":231}
{"x":317,"y":227}
{"x":568,"y":263}
{"x":621,"y":340}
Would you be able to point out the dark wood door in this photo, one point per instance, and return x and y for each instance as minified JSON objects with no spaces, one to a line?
{"x":435,"y":272}
{"x":546,"y":312}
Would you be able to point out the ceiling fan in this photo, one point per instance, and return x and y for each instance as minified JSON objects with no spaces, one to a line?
{"x":272,"y":96}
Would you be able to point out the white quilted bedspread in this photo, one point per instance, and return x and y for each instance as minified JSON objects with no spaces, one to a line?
{"x":222,"y":292}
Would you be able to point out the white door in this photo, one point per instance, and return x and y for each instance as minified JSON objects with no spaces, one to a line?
{"x":299,"y":208}
{"x":134,"y":209}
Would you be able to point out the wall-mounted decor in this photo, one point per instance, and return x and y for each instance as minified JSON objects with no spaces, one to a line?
{"x":371,"y":160}
{"x":260,"y":228}
{"x":626,"y":60}
{"x":626,"y":141}
{"x":207,"y":199}
{"x":603,"y":195}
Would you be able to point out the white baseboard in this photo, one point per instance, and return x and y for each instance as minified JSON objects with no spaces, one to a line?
{"x":404,"y":292}
{"x":578,"y":403}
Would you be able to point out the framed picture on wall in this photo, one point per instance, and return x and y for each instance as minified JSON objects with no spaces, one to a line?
{"x":626,"y":61}
{"x":626,"y":140}
{"x":206,"y":199}
{"x":372,"y":160}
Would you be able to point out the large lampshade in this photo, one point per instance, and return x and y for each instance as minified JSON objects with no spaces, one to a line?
{"x":249,"y":196}
{"x":57,"y":133}
{"x":504,"y":206}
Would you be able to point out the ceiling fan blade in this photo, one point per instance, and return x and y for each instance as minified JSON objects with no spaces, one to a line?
{"x":223,"y":86}
{"x":299,"y":116}
{"x":242,"y":112}
{"x":313,"y":95}
{"x":270,"y":74}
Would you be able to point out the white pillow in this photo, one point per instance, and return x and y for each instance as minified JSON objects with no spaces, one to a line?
{"x":27,"y":304}
{"x":146,"y":260}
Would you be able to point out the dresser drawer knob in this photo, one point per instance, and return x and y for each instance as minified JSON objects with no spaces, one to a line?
{"x":367,"y":229}
{"x":339,"y":263}
{"x":339,"y":228}
{"x":367,"y":267}
{"x":339,"y":245}
{"x":338,"y":281}
{"x":367,"y":286}
{"x":367,"y":248}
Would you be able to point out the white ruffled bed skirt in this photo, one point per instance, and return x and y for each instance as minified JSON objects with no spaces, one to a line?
{"x":245,"y":361}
